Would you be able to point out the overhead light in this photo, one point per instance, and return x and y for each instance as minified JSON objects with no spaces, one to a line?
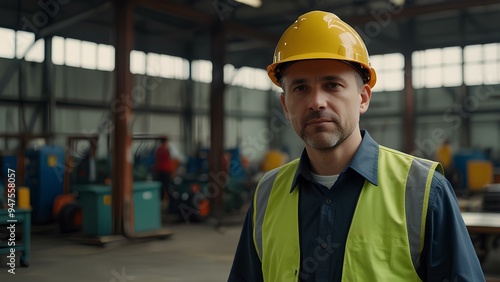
{"x":398,"y":3}
{"x":252,"y":3}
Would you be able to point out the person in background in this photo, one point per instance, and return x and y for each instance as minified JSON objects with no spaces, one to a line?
{"x":164,"y":167}
{"x":348,"y":209}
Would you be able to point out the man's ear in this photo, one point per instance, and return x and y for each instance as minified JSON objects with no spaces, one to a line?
{"x":283,"y":104}
{"x":366,"y":95}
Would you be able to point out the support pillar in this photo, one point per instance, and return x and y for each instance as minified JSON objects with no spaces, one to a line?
{"x":465,"y":116}
{"x":122,"y":177}
{"x":48,"y":117}
{"x":218,"y":175}
{"x":409,"y":99}
{"x":188,"y":109}
{"x":409,"y":109}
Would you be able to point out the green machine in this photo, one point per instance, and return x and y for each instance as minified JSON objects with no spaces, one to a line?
{"x":95,"y":200}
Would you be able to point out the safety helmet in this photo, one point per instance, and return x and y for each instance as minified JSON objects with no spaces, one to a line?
{"x":321,"y":35}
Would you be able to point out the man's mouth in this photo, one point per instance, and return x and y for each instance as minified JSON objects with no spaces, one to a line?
{"x":319,"y":121}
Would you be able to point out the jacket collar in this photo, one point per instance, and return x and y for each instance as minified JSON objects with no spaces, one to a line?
{"x":364,"y":162}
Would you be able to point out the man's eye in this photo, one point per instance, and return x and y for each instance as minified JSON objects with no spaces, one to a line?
{"x":300,"y":88}
{"x":332,"y":85}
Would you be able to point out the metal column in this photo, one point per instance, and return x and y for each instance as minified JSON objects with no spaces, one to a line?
{"x":122,"y":201}
{"x":409,"y":116}
{"x":409,"y":99}
{"x":218,"y":176}
{"x":48,"y":117}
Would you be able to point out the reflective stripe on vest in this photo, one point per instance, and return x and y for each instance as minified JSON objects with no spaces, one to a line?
{"x":280,"y":255}
{"x":386,"y":234}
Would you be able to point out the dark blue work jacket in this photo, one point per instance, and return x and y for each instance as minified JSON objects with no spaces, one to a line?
{"x":448,"y":253}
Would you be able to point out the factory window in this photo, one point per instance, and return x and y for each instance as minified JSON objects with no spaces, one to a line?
{"x":167,"y":66}
{"x":7,"y":48}
{"x":21,"y":44}
{"x":84,"y":54}
{"x":482,"y":64}
{"x":137,"y":62}
{"x":153,"y":64}
{"x":158,"y":65}
{"x":229,"y":73}
{"x":390,"y":73}
{"x":57,"y":50}
{"x":72,"y":54}
{"x":202,"y":71}
{"x":89,"y":55}
{"x":174,"y":67}
{"x":437,"y":67}
{"x":252,"y":78}
{"x":247,"y":77}
{"x":27,"y":47}
{"x":105,"y":57}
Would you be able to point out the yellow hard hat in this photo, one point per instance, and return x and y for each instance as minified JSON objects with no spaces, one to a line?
{"x":321,"y":35}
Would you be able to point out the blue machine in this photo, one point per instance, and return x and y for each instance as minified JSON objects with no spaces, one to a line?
{"x":44,"y":177}
{"x":7,"y":162}
{"x":460,"y":160}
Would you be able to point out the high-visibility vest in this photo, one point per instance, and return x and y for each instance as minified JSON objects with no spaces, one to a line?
{"x":386,"y":235}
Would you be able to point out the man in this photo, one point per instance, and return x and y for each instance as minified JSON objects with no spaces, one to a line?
{"x":348,"y":209}
{"x":164,"y":167}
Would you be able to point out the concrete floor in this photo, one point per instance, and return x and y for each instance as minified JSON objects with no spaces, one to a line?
{"x":196,"y":252}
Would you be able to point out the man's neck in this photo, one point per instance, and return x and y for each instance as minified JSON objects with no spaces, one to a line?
{"x":334,"y":161}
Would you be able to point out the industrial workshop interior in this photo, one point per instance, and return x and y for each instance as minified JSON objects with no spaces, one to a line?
{"x":104,"y":101}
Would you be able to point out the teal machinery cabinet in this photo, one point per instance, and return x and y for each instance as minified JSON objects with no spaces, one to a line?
{"x":95,"y":201}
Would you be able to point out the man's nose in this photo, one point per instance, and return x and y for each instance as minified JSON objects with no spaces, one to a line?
{"x":317,"y":99}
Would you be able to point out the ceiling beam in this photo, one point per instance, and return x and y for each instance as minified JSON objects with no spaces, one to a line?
{"x":72,"y":20}
{"x":235,"y":28}
{"x":181,"y":11}
{"x":188,"y":13}
{"x":413,"y":11}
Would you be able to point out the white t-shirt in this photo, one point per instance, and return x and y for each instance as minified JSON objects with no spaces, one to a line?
{"x":325,"y":180}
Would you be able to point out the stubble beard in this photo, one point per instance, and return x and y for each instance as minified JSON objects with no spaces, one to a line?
{"x":325,"y":139}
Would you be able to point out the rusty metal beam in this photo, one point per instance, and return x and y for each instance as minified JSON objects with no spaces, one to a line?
{"x":217,"y":174}
{"x":122,"y":177}
{"x":239,"y":29}
{"x":47,"y":89}
{"x":178,"y":10}
{"x":409,"y":99}
{"x":187,"y":13}
{"x":409,"y":109}
{"x":70,"y":21}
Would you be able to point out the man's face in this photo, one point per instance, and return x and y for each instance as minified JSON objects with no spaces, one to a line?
{"x":323,"y":101}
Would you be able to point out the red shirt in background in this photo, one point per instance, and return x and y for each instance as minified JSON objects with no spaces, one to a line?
{"x":163,"y":160}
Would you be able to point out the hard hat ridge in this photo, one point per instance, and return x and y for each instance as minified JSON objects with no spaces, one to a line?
{"x":321,"y":35}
